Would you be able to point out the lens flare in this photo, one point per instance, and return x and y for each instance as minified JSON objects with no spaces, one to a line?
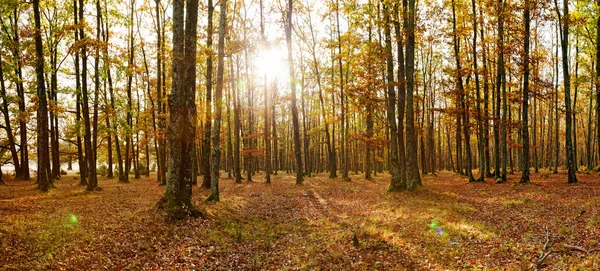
{"x":73,"y":219}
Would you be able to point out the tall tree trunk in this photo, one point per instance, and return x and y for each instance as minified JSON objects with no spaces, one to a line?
{"x":114,"y":126}
{"x":343,"y":127}
{"x":596,"y":78}
{"x":564,"y":46}
{"x":501,"y":96}
{"x":23,"y":173}
{"x":216,"y":133}
{"x":556,"y":119}
{"x":481,"y":139}
{"x":413,"y":179}
{"x":462,"y":97}
{"x":590,"y":136}
{"x":401,"y":87}
{"x":236,"y":131}
{"x":7,"y":127}
{"x":87,"y":138}
{"x":96,"y":86}
{"x":396,"y":183}
{"x":43,"y":174}
{"x":206,"y":170}
{"x":525,"y":105}
{"x":295,"y":122}
{"x":160,"y":79}
{"x":178,"y":192}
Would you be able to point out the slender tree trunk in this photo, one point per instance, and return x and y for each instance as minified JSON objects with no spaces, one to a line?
{"x":7,"y":127}
{"x":236,"y":131}
{"x":413,"y":179}
{"x":501,"y":95}
{"x":43,"y":174}
{"x":525,"y":106}
{"x":596,"y":79}
{"x":295,"y":122}
{"x":96,"y":87}
{"x":461,"y":98}
{"x":23,"y":173}
{"x":216,"y":133}
{"x":557,"y":120}
{"x":87,"y":138}
{"x":396,"y":183}
{"x":206,"y":152}
{"x":401,"y":88}
{"x":160,"y":79}
{"x":480,"y":141}
{"x":589,"y":132}
{"x":564,"y":45}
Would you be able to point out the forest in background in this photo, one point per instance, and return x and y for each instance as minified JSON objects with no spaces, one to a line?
{"x":188,"y":108}
{"x":364,"y":86}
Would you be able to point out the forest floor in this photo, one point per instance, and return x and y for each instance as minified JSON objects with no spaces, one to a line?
{"x":325,"y":224}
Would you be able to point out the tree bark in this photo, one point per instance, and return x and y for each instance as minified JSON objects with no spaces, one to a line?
{"x":216,"y":133}
{"x":525,"y":105}
{"x":295,"y":122}
{"x":396,"y":183}
{"x":206,"y":152}
{"x":87,"y":137}
{"x":43,"y":173}
{"x":178,"y":192}
{"x":413,"y":179}
{"x":564,"y":46}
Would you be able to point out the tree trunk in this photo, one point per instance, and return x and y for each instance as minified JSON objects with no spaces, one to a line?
{"x":87,"y":137}
{"x":178,"y":192}
{"x":564,"y":45}
{"x":596,"y":79}
{"x":396,"y":183}
{"x":216,"y":133}
{"x":525,"y":105}
{"x":401,"y":88}
{"x":481,"y":139}
{"x":236,"y":131}
{"x":9,"y":133}
{"x":413,"y":179}
{"x":295,"y":122}
{"x":43,"y":173}
{"x":461,"y":97}
{"x":206,"y":170}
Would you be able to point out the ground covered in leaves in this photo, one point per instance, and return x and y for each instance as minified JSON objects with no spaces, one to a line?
{"x":325,"y":224}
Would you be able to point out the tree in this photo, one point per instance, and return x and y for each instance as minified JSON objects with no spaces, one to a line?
{"x":564,"y":45}
{"x":480,"y":125}
{"x":413,"y":179}
{"x":597,"y":76}
{"x":177,"y":199}
{"x":461,"y":97}
{"x":87,"y":138}
{"x":206,"y":152}
{"x":396,"y":183}
{"x":525,"y":106}
{"x":295,"y":122}
{"x":7,"y":127}
{"x":401,"y":104}
{"x":44,"y":179}
{"x":500,"y":91}
{"x":12,"y":33}
{"x":266,"y":134}
{"x":216,"y":133}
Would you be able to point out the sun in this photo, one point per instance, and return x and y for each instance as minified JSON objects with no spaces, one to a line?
{"x":272,"y":63}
